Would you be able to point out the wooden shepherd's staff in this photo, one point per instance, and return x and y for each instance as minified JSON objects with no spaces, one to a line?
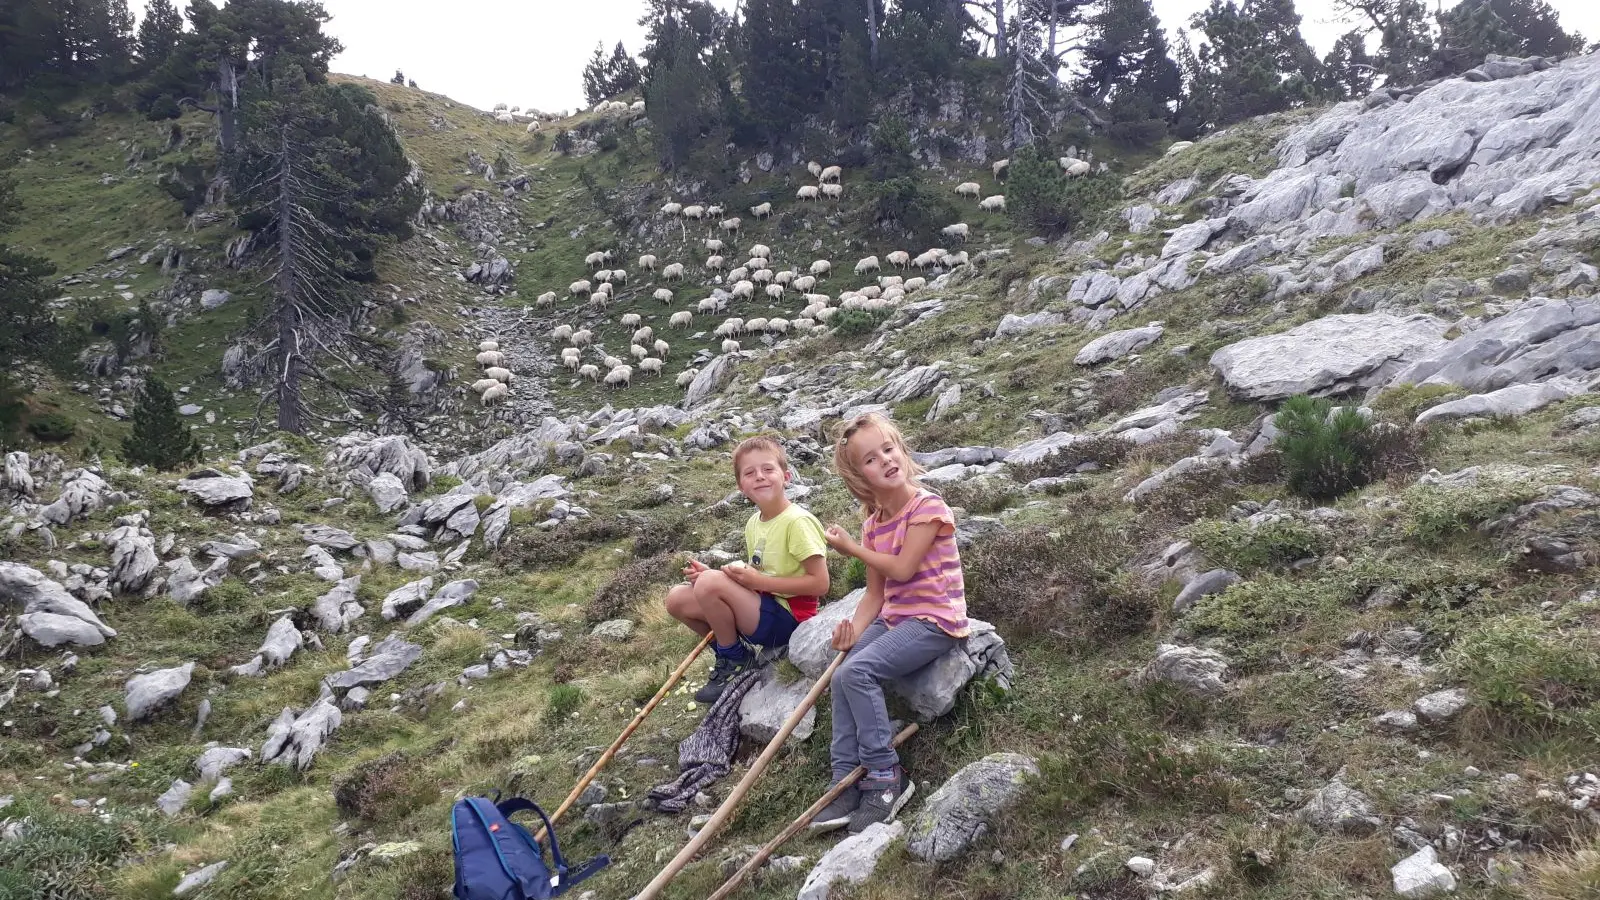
{"x":726,"y":810}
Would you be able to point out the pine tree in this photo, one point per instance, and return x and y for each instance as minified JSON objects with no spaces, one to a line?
{"x":1405,"y":40}
{"x":595,"y":87}
{"x":1254,"y":62}
{"x":159,"y":32}
{"x":1348,"y":70}
{"x":622,"y":71}
{"x":159,"y":437}
{"x":28,"y":330}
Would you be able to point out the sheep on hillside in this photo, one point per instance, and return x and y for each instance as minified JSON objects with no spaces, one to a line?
{"x":739,"y":274}
{"x":709,"y":305}
{"x":686,"y":377}
{"x":786,"y":277}
{"x":756,"y":325}
{"x":632,"y":320}
{"x":610,"y":362}
{"x":1001,"y":167}
{"x":499,"y":373}
{"x":804,"y":283}
{"x":673,"y":272}
{"x":713,"y":211}
{"x":671,"y":209}
{"x":483,"y":384}
{"x":644,"y":333}
{"x":969,"y":189}
{"x":650,"y":364}
{"x":694,"y":212}
{"x":560,"y":332}
{"x":484,"y":346}
{"x":761,"y":250}
{"x":993,"y":203}
{"x":808,"y":192}
{"x":647,"y":262}
{"x":730,"y":225}
{"x":831,"y":173}
{"x":1078,"y":169}
{"x":489,"y":358}
{"x":761,"y":276}
{"x":582,"y":338}
{"x":548,"y":298}
{"x":821,"y":268}
{"x":579,"y":287}
{"x":743,"y":290}
{"x":900,"y":259}
{"x":815,"y":168}
{"x":730,"y":346}
{"x":761,"y":210}
{"x":715,"y":262}
{"x":833,"y":191}
{"x":661,"y":348}
{"x":663,"y":294}
{"x":637,"y":352}
{"x":682,"y":318}
{"x":589,"y":371}
{"x":603,"y":276}
{"x":958,"y":230}
{"x":775,"y":291}
{"x":594,"y":259}
{"x":868,"y":264}
{"x":778,"y":326}
{"x":495,"y":394}
{"x":915,"y":284}
{"x":619,"y":276}
{"x":621,"y":376}
{"x":636,"y":106}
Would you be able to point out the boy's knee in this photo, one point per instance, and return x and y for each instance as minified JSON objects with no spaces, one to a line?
{"x":681,"y":599}
{"x":710,"y":583}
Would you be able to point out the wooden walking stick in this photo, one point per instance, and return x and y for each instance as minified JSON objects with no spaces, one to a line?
{"x":726,"y":810}
{"x":771,"y":847}
{"x":638,"y":719}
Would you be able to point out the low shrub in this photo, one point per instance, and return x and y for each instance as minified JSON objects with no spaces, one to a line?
{"x":564,"y":701}
{"x":1325,"y":453}
{"x":1252,"y":613}
{"x":71,"y":854}
{"x":857,"y":322}
{"x":981,"y":496}
{"x":1247,"y":548}
{"x":1531,"y":673}
{"x":1434,"y":515}
{"x":1200,"y":494}
{"x":52,"y":427}
{"x":1036,"y":582}
{"x":628,"y":585}
{"x":381,"y":789}
{"x":1105,"y":451}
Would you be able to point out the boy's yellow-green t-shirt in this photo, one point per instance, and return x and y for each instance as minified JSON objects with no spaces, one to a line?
{"x":780,"y":546}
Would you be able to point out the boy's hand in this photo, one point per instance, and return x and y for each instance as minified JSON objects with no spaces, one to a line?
{"x":844,"y":635}
{"x":740,"y":573}
{"x":693,"y":569}
{"x":839,"y":539}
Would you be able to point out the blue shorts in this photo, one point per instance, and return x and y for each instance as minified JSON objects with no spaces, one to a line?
{"x":775,"y":625}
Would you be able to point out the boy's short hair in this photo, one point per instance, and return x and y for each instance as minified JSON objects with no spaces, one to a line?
{"x":765,"y":443}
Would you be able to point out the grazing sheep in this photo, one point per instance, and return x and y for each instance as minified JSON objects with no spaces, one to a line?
{"x":778,"y":326}
{"x":831,"y":173}
{"x":671,"y":209}
{"x":694,"y":212}
{"x":673,"y":272}
{"x":869,"y":264}
{"x":579,"y":287}
{"x":645,"y":333}
{"x":926,"y":259}
{"x":889,"y":281}
{"x":761,"y":211}
{"x":775,"y":291}
{"x":682,"y":318}
{"x":871,"y":291}
{"x":804,"y":325}
{"x":495,"y":394}
{"x":715,"y":245}
{"x":761,"y":250}
{"x":647,"y":262}
{"x":713,"y":211}
{"x":958,"y":230}
{"x":808,"y":192}
{"x":636,"y":106}
{"x":604,"y":289}
{"x":637,"y":352}
{"x":589,"y":371}
{"x":833,"y":191}
{"x":900,"y":259}
{"x":610,"y":362}
{"x":594,"y":259}
{"x":661,"y":348}
{"x":686,"y":377}
{"x":662,"y":294}
{"x":995,"y":203}
{"x":603,"y":276}
{"x":915,"y":284}
{"x":619,"y":276}
{"x":804,"y":283}
{"x":1001,"y":167}
{"x":730,"y":346}
{"x":499,"y":373}
{"x":560,"y":332}
{"x":761,"y":276}
{"x":1179,"y":147}
{"x":573,"y":352}
{"x":969,"y":189}
{"x":708,"y":305}
{"x":620,"y":376}
{"x":506,"y":118}
{"x":548,"y":298}
{"x":650,"y":364}
{"x":489,"y":358}
{"x":582,"y":338}
{"x":533,"y":126}
{"x":632,"y":320}
{"x":739,"y":274}
{"x":570,"y":362}
{"x":786,"y":277}
{"x":821,"y":268}
{"x":743,"y":289}
{"x":756,"y":325}
{"x":1067,"y":162}
{"x":715,"y":263}
{"x":484,"y":346}
{"x":815,"y":168}
{"x":483,"y":384}
{"x":730,"y":225}
{"x":826,"y":315}
{"x":1079,"y":169}
{"x":951,"y":260}
{"x":729,"y":327}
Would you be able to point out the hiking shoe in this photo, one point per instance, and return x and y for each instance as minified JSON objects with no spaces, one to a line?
{"x":837,"y":813}
{"x":723,"y":672}
{"x":881,"y":800}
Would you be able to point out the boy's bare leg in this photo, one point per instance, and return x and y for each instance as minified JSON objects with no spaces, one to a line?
{"x":682,"y":605}
{"x":730,"y":608}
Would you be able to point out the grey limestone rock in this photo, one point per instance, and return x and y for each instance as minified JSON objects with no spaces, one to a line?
{"x":388,"y":658}
{"x":1329,"y":355}
{"x":387,"y":492}
{"x":199,"y":878}
{"x":406,"y":599}
{"x":328,"y":536}
{"x":764,"y":709}
{"x":185,"y":583}
{"x":172,"y":801}
{"x":964,"y":809}
{"x":295,"y":738}
{"x":1538,"y":340}
{"x":713,"y":377}
{"x":147,"y":693}
{"x":363,"y":454}
{"x":218,"y":492}
{"x":1013,"y":324}
{"x":1117,"y":344}
{"x":1204,"y":585}
{"x":851,"y":861}
{"x":1190,"y":669}
{"x":133,"y":555}
{"x":454,"y":593}
{"x":1513,"y":400}
{"x":613,"y":630}
{"x":50,"y":615}
{"x":82,"y":492}
{"x":1339,"y":807}
{"x":1192,"y":236}
{"x":335,"y":610}
{"x":1422,"y":875}
{"x":1441,"y":706}
{"x":215,"y":761}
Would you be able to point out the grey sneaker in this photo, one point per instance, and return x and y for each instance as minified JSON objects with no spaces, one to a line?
{"x":837,"y":813}
{"x":721,"y":673}
{"x":881,"y":801}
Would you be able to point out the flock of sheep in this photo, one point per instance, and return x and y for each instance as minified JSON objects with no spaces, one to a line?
{"x":515,"y":115}
{"x":495,"y":385}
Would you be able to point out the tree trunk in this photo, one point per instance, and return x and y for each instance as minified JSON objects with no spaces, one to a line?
{"x":290,"y":361}
{"x":872,"y":32}
{"x":1055,"y":63}
{"x":228,"y":105}
{"x":1000,"y":29}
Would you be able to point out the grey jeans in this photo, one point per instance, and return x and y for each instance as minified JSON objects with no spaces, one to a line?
{"x":861,"y":733}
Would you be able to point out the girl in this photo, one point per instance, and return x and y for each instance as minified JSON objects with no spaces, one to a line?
{"x":914,"y":612}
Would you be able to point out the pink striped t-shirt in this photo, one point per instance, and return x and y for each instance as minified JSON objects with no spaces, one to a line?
{"x":936,"y":592}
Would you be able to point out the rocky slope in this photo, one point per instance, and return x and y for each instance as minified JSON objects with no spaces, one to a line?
{"x":274,"y":674}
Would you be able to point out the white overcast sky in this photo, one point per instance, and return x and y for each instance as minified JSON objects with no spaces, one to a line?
{"x":532,"y":52}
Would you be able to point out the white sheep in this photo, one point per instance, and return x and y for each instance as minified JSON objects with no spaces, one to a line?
{"x":1067,"y":162}
{"x":548,"y":298}
{"x":803,"y":324}
{"x":739,"y":274}
{"x":761,"y":250}
{"x":532,"y":126}
{"x":900,"y":259}
{"x":644,"y":333}
{"x":560,"y":332}
{"x":686,"y":377}
{"x":671,"y":209}
{"x":603,"y":276}
{"x":808,"y":192}
{"x":821,"y":268}
{"x":804,"y":283}
{"x":756,"y":325}
{"x":610,"y":362}
{"x":761,"y":276}
{"x":647,"y":262}
{"x":730,"y":346}
{"x":993,"y":203}
{"x":594,"y":259}
{"x":730,"y":225}
{"x":778,"y":325}
{"x":708,"y":305}
{"x":483,"y":384}
{"x":715,"y":245}
{"x":743,"y":290}
{"x":582,"y":338}
{"x":694,"y":212}
{"x":951,"y":260}
{"x":775,"y":291}
{"x":958,"y":230}
{"x":589,"y":371}
{"x":915,"y":284}
{"x":499,"y":373}
{"x":489,"y":358}
{"x":969,"y":189}
{"x":826,"y":315}
{"x":637,"y":352}
{"x":729,"y":327}
{"x":632,"y":320}
{"x":636,"y":106}
{"x":663,"y":294}
{"x":484,"y":346}
{"x":620,"y":376}
{"x":761,"y":210}
{"x":495,"y":394}
{"x":889,"y":281}
{"x":815,"y":168}
{"x":603,"y":289}
{"x":682,"y":318}
{"x":650,"y":364}
{"x":1001,"y":167}
{"x":506,"y":118}
{"x":715,"y":262}
{"x":785,"y":277}
{"x":661,"y":348}
{"x":831,"y":173}
{"x":713,"y":211}
{"x":1179,"y":147}
{"x":579,"y":287}
{"x":870,"y":291}
{"x":619,"y":276}
{"x":673,"y":272}
{"x":1079,"y":169}
{"x":833,"y":191}
{"x":573,"y":352}
{"x":868,"y":264}
{"x":571,"y":362}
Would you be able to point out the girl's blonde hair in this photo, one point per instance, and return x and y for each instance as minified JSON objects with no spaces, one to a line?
{"x":850,"y":470}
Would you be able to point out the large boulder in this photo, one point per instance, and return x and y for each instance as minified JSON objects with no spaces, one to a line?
{"x":294,"y":738}
{"x":966,"y":807}
{"x":1541,"y":339}
{"x":365,"y":457}
{"x":851,"y":861}
{"x":133,"y":555}
{"x":388,"y":492}
{"x":82,"y":492}
{"x":147,"y":693}
{"x":335,"y":610}
{"x":1331,"y":355}
{"x":388,"y":659}
{"x":510,"y":458}
{"x":769,"y":704}
{"x":216,"y":761}
{"x":217,"y":492}
{"x":50,"y":615}
{"x":930,"y":691}
{"x":1117,"y":344}
{"x":282,"y":640}
{"x":405,"y":599}
{"x":711,"y":380}
{"x":1515,"y":400}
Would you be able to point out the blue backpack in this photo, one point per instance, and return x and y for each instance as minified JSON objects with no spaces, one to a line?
{"x":497,"y":859}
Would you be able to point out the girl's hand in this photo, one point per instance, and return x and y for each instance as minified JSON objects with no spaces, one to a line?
{"x":839,"y":539}
{"x":844,"y":635}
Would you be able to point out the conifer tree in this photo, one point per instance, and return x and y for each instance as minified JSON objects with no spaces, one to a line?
{"x":159,"y":437}
{"x":594,"y":76}
{"x":159,"y":32}
{"x":622,"y":71}
{"x":28,"y":330}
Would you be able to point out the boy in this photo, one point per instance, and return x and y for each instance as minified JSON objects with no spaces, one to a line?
{"x":766,"y":597}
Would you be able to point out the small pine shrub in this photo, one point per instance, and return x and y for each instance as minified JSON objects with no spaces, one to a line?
{"x":1325,"y":453}
{"x":1039,"y":196}
{"x":52,"y":428}
{"x":159,"y":438}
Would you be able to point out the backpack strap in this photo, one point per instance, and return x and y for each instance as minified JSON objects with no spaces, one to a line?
{"x":509,"y":808}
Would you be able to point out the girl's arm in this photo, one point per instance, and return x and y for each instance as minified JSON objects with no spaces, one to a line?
{"x":898,"y":566}
{"x":814,"y":583}
{"x":846,"y":632}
